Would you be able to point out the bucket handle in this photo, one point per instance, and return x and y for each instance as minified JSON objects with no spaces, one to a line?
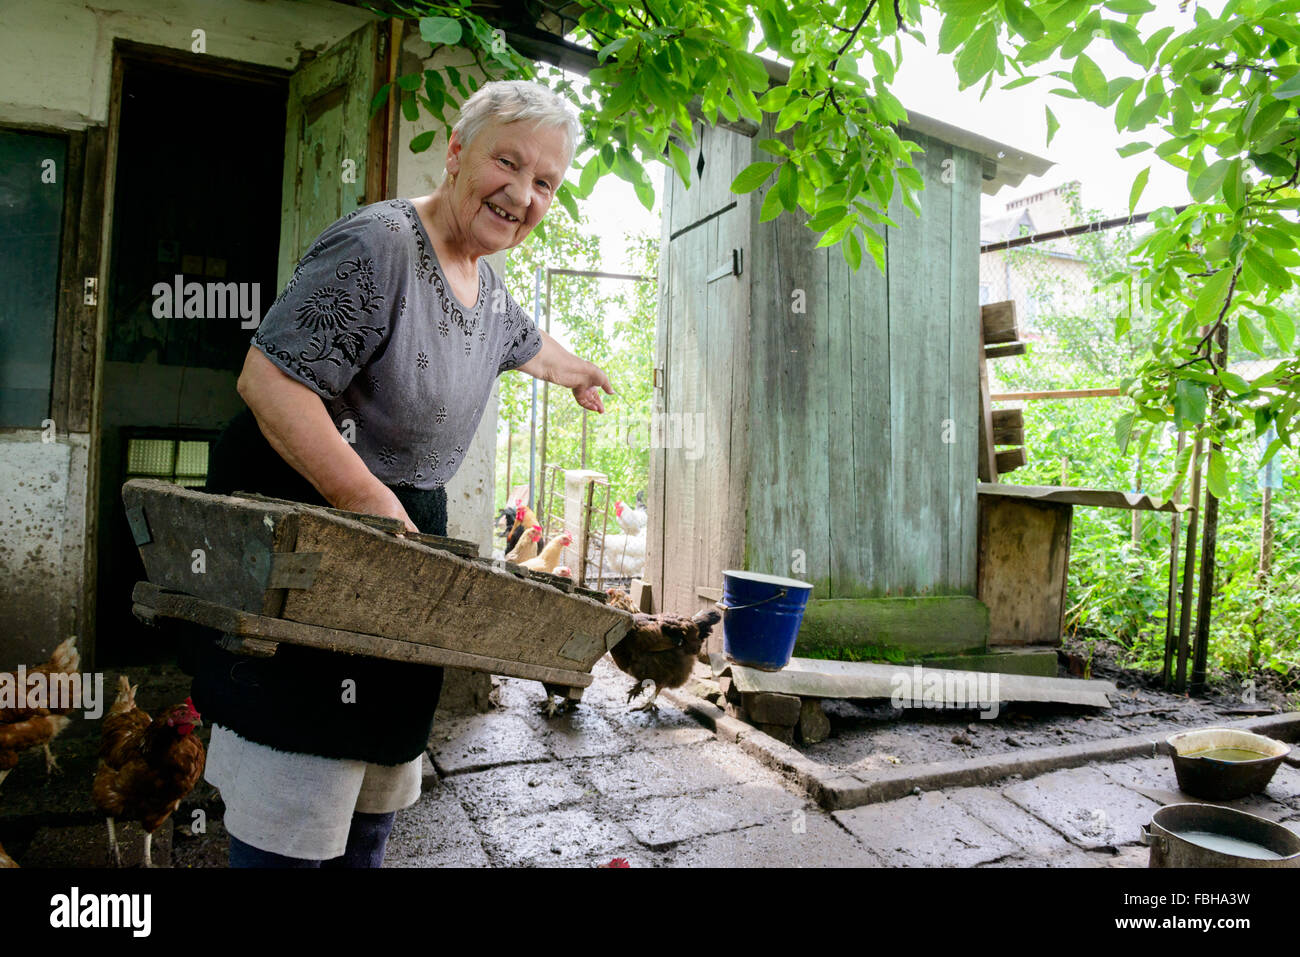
{"x":726,"y":608}
{"x":1151,"y":839}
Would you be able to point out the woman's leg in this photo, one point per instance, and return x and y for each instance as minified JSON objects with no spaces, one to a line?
{"x":367,"y":839}
{"x":246,"y":855}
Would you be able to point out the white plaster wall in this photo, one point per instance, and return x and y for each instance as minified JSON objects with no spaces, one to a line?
{"x":42,"y":542}
{"x":471,"y":491}
{"x":57,"y":54}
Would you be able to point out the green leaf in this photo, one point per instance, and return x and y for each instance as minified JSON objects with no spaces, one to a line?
{"x":1132,"y":149}
{"x":1089,"y":80}
{"x":410,"y":109}
{"x":1288,"y":90}
{"x":837,"y":231}
{"x":1019,"y":82}
{"x":609,"y":49}
{"x":1189,"y":403}
{"x":787,"y":184}
{"x":1146,"y":111}
{"x":1217,"y":474}
{"x":826,"y":218}
{"x":979,"y":55}
{"x":852,"y":251}
{"x":1249,"y":333}
{"x":954,"y":31}
{"x":1209,"y":301}
{"x":1129,"y":6}
{"x":380,"y":98}
{"x":1267,"y":268}
{"x":1124,"y":429}
{"x":1023,"y":20}
{"x":681,"y":162}
{"x":1052,"y":124}
{"x":1135,"y":193}
{"x":440,"y":30}
{"x":752,"y":176}
{"x":1206,"y":183}
{"x":567,"y":201}
{"x":1128,"y":42}
{"x":1273,"y":164}
{"x":771,"y":207}
{"x":423,"y":141}
{"x":1282,"y":328}
{"x":410,"y":82}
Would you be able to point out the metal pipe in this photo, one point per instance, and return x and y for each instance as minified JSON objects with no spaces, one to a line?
{"x":532,"y":437}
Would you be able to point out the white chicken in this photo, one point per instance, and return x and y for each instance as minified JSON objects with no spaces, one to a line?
{"x":625,"y":555}
{"x":631,"y":520}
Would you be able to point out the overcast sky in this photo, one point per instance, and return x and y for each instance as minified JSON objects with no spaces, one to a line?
{"x":1083,"y":148}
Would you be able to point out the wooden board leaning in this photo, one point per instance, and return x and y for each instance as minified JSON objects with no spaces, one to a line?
{"x":265,"y":571}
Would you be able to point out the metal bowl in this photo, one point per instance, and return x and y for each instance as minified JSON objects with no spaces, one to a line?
{"x":1205,"y":835}
{"x":1224,"y":780}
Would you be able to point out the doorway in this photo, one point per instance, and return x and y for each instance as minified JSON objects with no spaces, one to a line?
{"x":197,"y":176}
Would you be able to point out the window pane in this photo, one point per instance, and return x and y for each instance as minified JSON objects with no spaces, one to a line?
{"x":32,"y":171}
{"x":151,"y":457}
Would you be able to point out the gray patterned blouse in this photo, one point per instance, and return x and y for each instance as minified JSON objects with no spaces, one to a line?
{"x":369,"y":323}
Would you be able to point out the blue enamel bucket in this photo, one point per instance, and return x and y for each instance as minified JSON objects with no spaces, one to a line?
{"x":761,"y":615}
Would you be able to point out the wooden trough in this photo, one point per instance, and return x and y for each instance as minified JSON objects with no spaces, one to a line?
{"x":265,"y":571}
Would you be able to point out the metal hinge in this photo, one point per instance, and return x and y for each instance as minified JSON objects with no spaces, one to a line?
{"x":91,"y":287}
{"x":732,"y":268}
{"x":658,"y":378}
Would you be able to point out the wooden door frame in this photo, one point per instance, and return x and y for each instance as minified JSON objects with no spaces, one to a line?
{"x":82,"y":329}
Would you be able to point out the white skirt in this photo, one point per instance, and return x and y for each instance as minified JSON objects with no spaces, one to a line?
{"x":300,"y":805}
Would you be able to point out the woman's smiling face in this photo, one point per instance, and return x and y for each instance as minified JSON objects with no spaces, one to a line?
{"x":505,"y":181}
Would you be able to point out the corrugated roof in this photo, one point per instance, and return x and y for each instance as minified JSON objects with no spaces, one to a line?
{"x":1010,"y":165}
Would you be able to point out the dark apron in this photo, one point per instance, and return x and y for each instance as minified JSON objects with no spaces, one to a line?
{"x":294,"y":701}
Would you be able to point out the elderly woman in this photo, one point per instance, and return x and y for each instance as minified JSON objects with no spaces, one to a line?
{"x":365,"y":382}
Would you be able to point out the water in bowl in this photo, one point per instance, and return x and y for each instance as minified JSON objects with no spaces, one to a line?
{"x":1228,"y":754}
{"x":1232,"y":846}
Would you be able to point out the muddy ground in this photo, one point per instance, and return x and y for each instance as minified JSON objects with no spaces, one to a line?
{"x":867,"y":736}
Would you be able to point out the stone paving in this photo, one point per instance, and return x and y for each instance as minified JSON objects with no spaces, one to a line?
{"x":514,"y":788}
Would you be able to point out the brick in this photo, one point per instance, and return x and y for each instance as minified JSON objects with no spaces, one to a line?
{"x":926,"y":831}
{"x":483,"y":741}
{"x":1089,"y":808}
{"x":814,"y":726}
{"x":662,"y":822}
{"x":766,"y":708}
{"x":782,"y":733}
{"x":791,"y":840}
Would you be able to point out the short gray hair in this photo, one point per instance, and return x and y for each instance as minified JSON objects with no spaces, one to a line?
{"x":509,"y":101}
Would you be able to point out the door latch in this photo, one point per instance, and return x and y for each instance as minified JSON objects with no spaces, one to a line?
{"x":91,"y":297}
{"x":732,"y":268}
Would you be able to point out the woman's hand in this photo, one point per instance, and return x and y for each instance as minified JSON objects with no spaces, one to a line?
{"x":377,"y":501}
{"x":588,"y":393}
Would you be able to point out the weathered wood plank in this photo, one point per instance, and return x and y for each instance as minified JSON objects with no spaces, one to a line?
{"x":374,"y":583}
{"x":919,"y":308}
{"x":258,"y":632}
{"x":734,"y":301}
{"x":848,"y":551}
{"x":963,"y":372}
{"x":211,"y":546}
{"x":1024,"y":554}
{"x":999,"y":321}
{"x":1009,"y":460}
{"x":1012,"y":435}
{"x":1100,"y":498}
{"x":1002,"y":351}
{"x":881,"y":627}
{"x":1008,"y":419}
{"x":814,"y":678}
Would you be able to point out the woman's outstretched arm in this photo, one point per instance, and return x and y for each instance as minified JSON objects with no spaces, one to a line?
{"x":554,"y":363}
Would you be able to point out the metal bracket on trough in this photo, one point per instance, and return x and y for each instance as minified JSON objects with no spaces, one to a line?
{"x":293,"y":569}
{"x":281,"y":569}
{"x":139,"y":525}
{"x":582,"y":646}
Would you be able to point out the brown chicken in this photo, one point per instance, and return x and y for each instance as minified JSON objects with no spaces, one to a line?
{"x":6,"y":860}
{"x":621,"y":599}
{"x":23,"y":728}
{"x":662,"y":649}
{"x":524,"y":519}
{"x":146,"y":766}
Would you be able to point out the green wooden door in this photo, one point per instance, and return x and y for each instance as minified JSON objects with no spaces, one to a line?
{"x":328,"y":142}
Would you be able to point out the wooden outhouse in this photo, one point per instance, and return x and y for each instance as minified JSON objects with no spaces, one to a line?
{"x":819,"y":422}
